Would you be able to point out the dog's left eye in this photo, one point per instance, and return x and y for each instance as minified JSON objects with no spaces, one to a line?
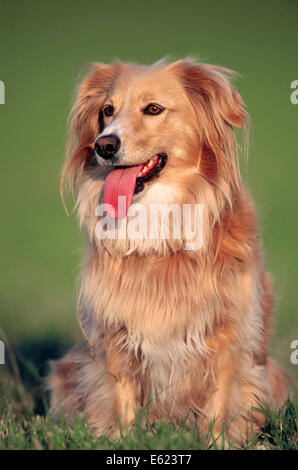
{"x":108,"y":110}
{"x":153,"y":109}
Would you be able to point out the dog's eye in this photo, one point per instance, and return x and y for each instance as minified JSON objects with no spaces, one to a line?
{"x":153,"y":109}
{"x":108,"y":110}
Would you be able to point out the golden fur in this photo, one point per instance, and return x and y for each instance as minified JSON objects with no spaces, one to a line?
{"x":191,"y":326}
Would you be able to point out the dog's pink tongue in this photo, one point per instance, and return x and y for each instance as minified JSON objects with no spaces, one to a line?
{"x":120,"y":182}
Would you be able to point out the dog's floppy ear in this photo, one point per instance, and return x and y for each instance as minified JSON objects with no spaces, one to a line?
{"x":213,"y":84}
{"x":85,"y":119}
{"x":218,"y":108}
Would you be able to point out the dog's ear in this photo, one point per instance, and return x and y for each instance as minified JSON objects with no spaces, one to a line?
{"x":85,"y":119}
{"x":212,"y":83}
{"x":218,"y":108}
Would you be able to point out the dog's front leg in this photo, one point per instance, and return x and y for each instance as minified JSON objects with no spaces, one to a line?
{"x":121,"y":369}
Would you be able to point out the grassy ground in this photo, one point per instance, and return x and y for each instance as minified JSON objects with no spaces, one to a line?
{"x":22,"y":427}
{"x":43,"y":47}
{"x":25,"y":422}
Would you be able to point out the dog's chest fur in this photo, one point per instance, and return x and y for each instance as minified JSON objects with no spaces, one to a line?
{"x":164,"y":310}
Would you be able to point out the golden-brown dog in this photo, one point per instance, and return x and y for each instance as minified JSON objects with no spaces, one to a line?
{"x":189,"y":324}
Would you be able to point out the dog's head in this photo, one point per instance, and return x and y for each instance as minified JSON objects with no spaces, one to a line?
{"x":156,"y":133}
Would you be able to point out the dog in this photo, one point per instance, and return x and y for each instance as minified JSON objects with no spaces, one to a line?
{"x":181,"y":328}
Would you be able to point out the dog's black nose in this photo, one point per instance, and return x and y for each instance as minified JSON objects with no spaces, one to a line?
{"x":107,"y":145}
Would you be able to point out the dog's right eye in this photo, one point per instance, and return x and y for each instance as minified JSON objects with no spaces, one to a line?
{"x":108,"y":110}
{"x":153,"y":109}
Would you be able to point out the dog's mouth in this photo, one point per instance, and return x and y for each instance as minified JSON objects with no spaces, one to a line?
{"x":123,"y":182}
{"x":150,"y":170}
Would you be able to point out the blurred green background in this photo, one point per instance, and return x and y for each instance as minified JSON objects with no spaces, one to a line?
{"x":43,"y":47}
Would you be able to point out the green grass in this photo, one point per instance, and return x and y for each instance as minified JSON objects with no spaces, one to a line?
{"x":22,"y":428}
{"x":25,"y":423}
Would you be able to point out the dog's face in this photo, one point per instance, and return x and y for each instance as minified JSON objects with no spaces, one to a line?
{"x":146,"y":110}
{"x":147,"y":124}
{"x":156,"y":131}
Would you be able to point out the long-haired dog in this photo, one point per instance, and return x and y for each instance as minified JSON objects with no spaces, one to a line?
{"x":188,"y":328}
